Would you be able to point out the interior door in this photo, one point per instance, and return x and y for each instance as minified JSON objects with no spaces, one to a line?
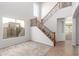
{"x":60,"y":30}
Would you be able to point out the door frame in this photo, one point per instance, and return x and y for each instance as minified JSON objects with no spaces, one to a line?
{"x":60,"y":35}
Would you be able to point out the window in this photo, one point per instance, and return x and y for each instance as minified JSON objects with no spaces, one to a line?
{"x":13,"y":27}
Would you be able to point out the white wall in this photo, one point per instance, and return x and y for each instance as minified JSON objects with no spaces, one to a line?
{"x":46,"y":7}
{"x":77,"y":29}
{"x":64,"y":12}
{"x":37,"y":10}
{"x":16,"y":11}
{"x":76,"y":11}
{"x":38,"y":36}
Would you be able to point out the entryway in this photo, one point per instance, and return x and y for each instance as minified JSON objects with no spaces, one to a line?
{"x":64,"y":29}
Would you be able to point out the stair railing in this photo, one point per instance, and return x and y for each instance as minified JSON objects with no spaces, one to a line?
{"x":44,"y":29}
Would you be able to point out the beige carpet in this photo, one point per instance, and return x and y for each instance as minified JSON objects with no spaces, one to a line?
{"x":25,"y":49}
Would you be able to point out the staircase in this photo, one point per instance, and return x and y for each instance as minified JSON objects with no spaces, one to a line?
{"x":51,"y":35}
{"x":44,"y":29}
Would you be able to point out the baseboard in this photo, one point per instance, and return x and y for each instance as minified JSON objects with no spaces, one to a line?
{"x":60,"y":40}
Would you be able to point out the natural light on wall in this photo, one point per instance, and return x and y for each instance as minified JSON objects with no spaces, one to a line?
{"x":6,"y":19}
{"x":35,"y":10}
{"x":21,"y":22}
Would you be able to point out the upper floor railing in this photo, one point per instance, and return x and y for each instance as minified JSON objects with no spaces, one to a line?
{"x":65,"y":4}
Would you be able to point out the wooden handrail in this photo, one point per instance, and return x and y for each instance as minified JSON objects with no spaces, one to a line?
{"x":43,"y":26}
